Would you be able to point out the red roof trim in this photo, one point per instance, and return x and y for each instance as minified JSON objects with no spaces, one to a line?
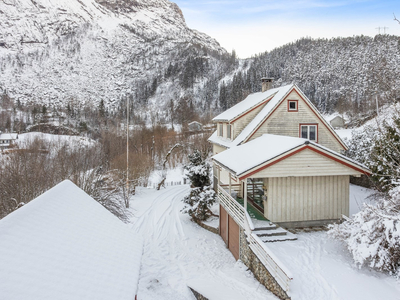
{"x":323,"y":122}
{"x":304,"y":147}
{"x":294,"y":88}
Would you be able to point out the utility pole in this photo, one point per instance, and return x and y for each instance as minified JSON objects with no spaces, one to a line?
{"x":383,"y":28}
{"x":127,"y":153}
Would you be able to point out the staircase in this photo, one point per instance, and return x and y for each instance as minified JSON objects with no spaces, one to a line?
{"x":269,"y":232}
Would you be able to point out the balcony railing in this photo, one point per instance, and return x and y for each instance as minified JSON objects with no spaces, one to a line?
{"x":274,"y":266}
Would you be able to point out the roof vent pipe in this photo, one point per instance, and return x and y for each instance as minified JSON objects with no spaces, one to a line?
{"x":266,"y":84}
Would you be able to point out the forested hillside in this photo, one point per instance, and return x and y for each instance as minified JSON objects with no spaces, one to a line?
{"x":342,"y":74}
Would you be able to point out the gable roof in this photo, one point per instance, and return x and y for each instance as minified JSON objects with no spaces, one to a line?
{"x":244,"y":159}
{"x":251,"y":102}
{"x":266,"y":112}
{"x":65,"y":245}
{"x":8,"y":136}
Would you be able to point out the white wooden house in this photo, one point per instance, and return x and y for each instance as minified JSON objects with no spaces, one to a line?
{"x":276,"y":151}
{"x":7,"y":139}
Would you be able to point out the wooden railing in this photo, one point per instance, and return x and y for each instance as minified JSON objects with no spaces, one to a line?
{"x":274,"y":266}
{"x":231,"y":206}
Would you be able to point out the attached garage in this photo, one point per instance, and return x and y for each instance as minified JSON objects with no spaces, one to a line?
{"x":229,"y":232}
{"x":233,"y":237}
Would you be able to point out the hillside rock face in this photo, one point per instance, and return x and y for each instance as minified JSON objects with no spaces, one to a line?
{"x":83,"y":51}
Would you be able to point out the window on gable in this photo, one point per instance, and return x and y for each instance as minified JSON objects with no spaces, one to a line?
{"x":229,"y":131}
{"x":309,"y":132}
{"x":293,"y":105}
{"x":221,"y":130}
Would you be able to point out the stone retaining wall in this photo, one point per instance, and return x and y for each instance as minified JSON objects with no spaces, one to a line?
{"x":197,"y":295}
{"x":209,"y":228}
{"x":251,"y":260}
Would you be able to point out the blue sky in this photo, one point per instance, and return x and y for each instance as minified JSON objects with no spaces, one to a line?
{"x":255,"y":26}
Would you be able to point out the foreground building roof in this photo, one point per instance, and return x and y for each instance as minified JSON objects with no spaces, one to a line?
{"x":65,"y":245}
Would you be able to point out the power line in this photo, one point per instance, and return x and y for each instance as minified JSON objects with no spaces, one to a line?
{"x":383,"y":28}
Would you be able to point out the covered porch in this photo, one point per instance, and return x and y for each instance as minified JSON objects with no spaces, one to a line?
{"x":290,"y":181}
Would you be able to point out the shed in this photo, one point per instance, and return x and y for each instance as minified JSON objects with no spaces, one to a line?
{"x":65,"y":245}
{"x":336,"y":121}
{"x":195,"y":126}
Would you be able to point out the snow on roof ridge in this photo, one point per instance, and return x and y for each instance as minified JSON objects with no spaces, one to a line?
{"x":257,"y":152}
{"x":245,"y":105}
{"x":283,"y":91}
{"x":73,"y":248}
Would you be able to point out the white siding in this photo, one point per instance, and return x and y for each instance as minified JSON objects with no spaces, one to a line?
{"x":292,"y":199}
{"x":282,"y":122}
{"x":218,"y":149}
{"x":241,"y":123}
{"x":306,"y":163}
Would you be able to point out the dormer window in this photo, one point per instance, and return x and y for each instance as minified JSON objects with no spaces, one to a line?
{"x":229,"y":131}
{"x":293,"y":105}
{"x":221,"y":130}
{"x":309,"y":131}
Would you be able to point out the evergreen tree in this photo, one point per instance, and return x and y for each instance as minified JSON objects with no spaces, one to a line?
{"x":202,"y":196}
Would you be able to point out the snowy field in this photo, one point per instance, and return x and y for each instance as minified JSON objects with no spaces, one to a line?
{"x":178,"y":252}
{"x":53,"y":139}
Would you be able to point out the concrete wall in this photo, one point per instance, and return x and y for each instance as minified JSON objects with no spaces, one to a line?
{"x":298,"y":199}
{"x":284,"y":122}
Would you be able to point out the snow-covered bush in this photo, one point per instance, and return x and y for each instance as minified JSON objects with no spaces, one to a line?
{"x":373,"y":235}
{"x":202,"y":196}
{"x":379,"y":149}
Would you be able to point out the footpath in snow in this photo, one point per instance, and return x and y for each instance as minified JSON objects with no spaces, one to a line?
{"x":178,"y":251}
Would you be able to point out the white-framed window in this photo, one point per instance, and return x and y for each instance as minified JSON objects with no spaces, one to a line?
{"x":293,"y":105}
{"x":309,"y":131}
{"x":229,"y":131}
{"x":221,"y":129}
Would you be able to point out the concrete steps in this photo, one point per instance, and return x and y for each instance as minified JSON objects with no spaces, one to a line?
{"x":269,"y":232}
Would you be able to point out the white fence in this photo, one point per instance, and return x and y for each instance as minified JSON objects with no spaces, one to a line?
{"x":274,"y":266}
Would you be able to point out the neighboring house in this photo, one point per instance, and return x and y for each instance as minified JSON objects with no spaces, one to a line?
{"x":195,"y":126}
{"x":7,"y":139}
{"x":336,"y":121}
{"x":65,"y":245}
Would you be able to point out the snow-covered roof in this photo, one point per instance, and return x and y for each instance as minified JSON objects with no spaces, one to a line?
{"x":243,"y":158}
{"x":8,"y":136}
{"x":278,"y":95}
{"x":331,"y":117}
{"x":247,"y":104}
{"x":64,"y":245}
{"x":246,"y":133}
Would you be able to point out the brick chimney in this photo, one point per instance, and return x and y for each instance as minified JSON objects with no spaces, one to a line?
{"x":266,"y":84}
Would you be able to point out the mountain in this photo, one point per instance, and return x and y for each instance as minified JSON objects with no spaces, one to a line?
{"x":80,"y":55}
{"x":82,"y":52}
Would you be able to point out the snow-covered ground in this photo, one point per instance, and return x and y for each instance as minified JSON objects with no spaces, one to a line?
{"x":174,"y":177}
{"x":178,"y":252}
{"x":323,"y":269}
